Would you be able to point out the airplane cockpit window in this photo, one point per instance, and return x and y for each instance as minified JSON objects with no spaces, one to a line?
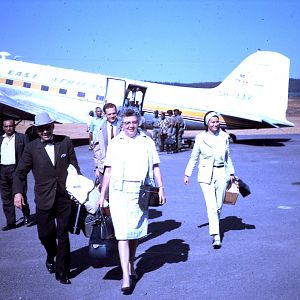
{"x":9,"y":81}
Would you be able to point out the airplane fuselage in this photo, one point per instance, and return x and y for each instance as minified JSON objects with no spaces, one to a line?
{"x":244,"y":99}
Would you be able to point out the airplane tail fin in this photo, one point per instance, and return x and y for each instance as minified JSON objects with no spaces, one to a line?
{"x":258,"y":88}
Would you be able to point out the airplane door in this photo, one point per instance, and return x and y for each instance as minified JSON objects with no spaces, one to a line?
{"x":115,"y":91}
{"x":135,"y":95}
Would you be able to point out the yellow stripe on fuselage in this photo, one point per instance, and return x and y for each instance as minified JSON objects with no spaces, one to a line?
{"x":188,"y":113}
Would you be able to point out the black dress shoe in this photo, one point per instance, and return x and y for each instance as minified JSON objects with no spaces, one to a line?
{"x":62,"y":278}
{"x":50,"y":265}
{"x":9,"y":227}
{"x":27,"y":220}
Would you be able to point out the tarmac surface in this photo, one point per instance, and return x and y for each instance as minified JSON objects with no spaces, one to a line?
{"x":259,"y":258}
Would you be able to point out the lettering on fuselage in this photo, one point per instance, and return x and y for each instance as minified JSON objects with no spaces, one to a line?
{"x":22,"y":74}
{"x":235,"y":96}
{"x":80,"y":84}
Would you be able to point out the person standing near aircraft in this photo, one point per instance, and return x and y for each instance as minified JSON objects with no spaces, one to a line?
{"x":94,"y":126}
{"x":131,"y":156}
{"x":155,"y":129}
{"x":89,"y":120}
{"x":215,"y":170}
{"x":172,"y":124}
{"x":109,"y":128}
{"x":164,"y":125}
{"x":12,"y":145}
{"x":88,"y":125}
{"x":48,"y":157}
{"x":179,"y":129}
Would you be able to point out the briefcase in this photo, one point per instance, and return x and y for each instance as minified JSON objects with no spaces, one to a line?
{"x":232,"y":193}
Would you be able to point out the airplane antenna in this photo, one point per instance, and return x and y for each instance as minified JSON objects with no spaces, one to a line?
{"x":4,"y":54}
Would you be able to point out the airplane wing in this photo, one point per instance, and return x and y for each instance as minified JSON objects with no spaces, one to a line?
{"x":24,"y":106}
{"x":14,"y":108}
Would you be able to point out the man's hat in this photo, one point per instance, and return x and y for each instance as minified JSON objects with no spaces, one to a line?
{"x":42,"y":119}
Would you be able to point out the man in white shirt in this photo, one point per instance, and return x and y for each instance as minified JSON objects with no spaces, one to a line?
{"x":12,"y":145}
{"x":94,"y":127}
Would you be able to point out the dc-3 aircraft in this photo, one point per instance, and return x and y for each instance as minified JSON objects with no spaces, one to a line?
{"x":254,"y":95}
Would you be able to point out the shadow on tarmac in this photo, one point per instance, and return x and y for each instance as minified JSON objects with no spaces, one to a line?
{"x":154,"y":258}
{"x":156,"y":229}
{"x":233,"y":223}
{"x":80,"y":261}
{"x":263,"y":142}
{"x":230,"y":223}
{"x":174,"y":251}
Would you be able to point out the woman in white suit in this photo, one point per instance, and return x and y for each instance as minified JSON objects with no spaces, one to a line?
{"x":215,"y":170}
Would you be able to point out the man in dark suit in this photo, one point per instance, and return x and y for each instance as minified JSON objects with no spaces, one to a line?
{"x":12,"y":145}
{"x":49,"y":157}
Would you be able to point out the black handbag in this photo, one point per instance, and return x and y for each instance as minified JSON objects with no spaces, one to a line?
{"x":148,"y":196}
{"x":102,"y":240}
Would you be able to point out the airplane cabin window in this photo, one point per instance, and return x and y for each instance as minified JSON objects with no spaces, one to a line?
{"x":9,"y":81}
{"x":62,"y":91}
{"x":45,"y":88}
{"x":81,"y":94}
{"x":27,"y":85}
{"x":98,"y":97}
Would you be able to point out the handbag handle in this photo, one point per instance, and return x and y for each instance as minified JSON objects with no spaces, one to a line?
{"x":149,"y":174}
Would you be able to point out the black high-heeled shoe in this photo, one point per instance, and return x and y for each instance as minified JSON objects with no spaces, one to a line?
{"x":127,"y":290}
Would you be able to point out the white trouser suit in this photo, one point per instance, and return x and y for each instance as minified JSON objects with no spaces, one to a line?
{"x":214,"y":193}
{"x":212,"y":151}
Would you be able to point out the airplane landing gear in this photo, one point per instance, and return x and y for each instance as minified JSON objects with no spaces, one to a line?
{"x":233,"y":138}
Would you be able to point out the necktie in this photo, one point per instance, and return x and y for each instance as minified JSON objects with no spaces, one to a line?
{"x":112,"y":132}
{"x":48,"y":142}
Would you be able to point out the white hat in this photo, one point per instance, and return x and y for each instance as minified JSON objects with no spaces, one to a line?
{"x":42,"y":119}
{"x":209,"y":115}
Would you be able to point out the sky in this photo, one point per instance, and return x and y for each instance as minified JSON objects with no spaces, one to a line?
{"x":184,"y":41}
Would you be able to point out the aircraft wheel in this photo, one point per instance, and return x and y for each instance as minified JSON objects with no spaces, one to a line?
{"x":190,"y":143}
{"x":232,"y":137}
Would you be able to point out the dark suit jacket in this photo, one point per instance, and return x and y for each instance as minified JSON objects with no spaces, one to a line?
{"x":48,"y":178}
{"x":20,"y":142}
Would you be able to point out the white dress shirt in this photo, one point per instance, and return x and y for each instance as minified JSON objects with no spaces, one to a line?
{"x":8,"y":156}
